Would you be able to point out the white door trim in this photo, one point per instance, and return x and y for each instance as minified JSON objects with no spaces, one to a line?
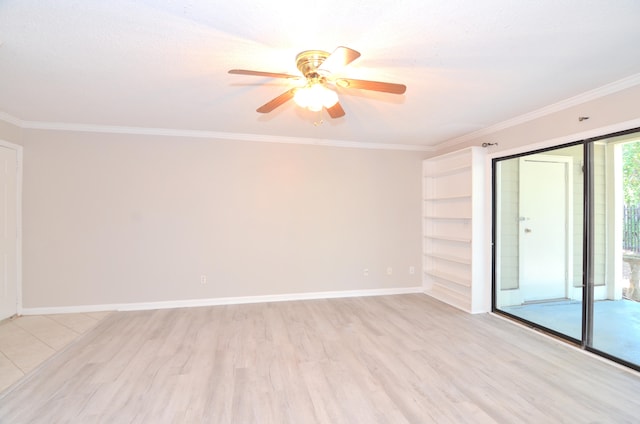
{"x":19,"y":156}
{"x":569,"y":189}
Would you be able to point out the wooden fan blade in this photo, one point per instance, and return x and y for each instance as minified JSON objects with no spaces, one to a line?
{"x":386,"y":87}
{"x":341,"y":56}
{"x":281,"y":99}
{"x":336,"y":111}
{"x":262,"y":74}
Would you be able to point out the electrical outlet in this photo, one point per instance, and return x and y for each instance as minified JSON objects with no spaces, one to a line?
{"x":389,"y":270}
{"x":203,"y":279}
{"x":365,"y":272}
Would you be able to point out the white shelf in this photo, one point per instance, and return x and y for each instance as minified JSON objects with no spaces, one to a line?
{"x":448,"y":198}
{"x":448,"y":238}
{"x":448,"y":218}
{"x":455,"y":279}
{"x":453,"y":228}
{"x":449,"y":258}
{"x":452,"y":297}
{"x":448,"y":171}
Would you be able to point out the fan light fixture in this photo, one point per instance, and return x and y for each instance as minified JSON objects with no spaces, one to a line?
{"x":317,"y":66}
{"x":315,"y":96}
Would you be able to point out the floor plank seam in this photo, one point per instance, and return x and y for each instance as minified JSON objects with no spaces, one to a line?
{"x":11,"y":360}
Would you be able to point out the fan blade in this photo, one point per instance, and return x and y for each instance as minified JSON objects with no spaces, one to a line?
{"x":281,"y":99}
{"x":341,"y":56}
{"x":386,"y":87}
{"x":336,"y":111}
{"x":262,"y":74}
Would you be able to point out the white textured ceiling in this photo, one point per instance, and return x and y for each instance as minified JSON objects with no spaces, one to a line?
{"x":467,"y":64}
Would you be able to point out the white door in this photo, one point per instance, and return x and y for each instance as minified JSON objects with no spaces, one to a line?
{"x":543,"y":228}
{"x":8,"y":233}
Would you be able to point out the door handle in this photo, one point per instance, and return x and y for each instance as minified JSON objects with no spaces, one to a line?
{"x":527,"y":230}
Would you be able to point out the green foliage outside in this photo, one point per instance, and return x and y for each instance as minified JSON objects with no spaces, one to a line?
{"x":631,"y":173}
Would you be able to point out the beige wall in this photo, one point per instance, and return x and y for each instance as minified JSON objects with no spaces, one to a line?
{"x":125,"y":219}
{"x":10,"y":132}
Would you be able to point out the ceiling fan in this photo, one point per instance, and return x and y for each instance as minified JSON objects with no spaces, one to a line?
{"x":316,"y":67}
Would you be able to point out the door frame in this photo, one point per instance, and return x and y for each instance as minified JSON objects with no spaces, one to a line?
{"x":19,"y":157}
{"x":568,"y":241}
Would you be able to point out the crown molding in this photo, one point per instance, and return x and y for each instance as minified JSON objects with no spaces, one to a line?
{"x":215,"y":135}
{"x":10,"y":119}
{"x":597,"y":93}
{"x":594,"y":94}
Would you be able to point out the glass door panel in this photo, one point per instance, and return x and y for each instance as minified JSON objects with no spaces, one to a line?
{"x":616,"y":247}
{"x":538,"y":238}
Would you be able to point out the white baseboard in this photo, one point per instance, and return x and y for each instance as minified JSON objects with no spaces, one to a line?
{"x":143,"y":306}
{"x":53,"y":310}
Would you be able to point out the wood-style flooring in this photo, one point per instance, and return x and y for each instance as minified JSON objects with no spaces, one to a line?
{"x":389,"y":359}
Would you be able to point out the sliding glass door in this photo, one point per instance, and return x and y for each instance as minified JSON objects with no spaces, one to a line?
{"x":564,"y":257}
{"x":538,"y":233}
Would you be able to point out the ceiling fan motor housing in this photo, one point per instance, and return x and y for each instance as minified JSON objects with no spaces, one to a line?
{"x":309,"y":61}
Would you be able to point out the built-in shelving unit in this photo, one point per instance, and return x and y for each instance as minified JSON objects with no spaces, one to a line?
{"x":452,"y":225}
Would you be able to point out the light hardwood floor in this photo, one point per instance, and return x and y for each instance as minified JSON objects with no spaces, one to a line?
{"x":389,"y":359}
